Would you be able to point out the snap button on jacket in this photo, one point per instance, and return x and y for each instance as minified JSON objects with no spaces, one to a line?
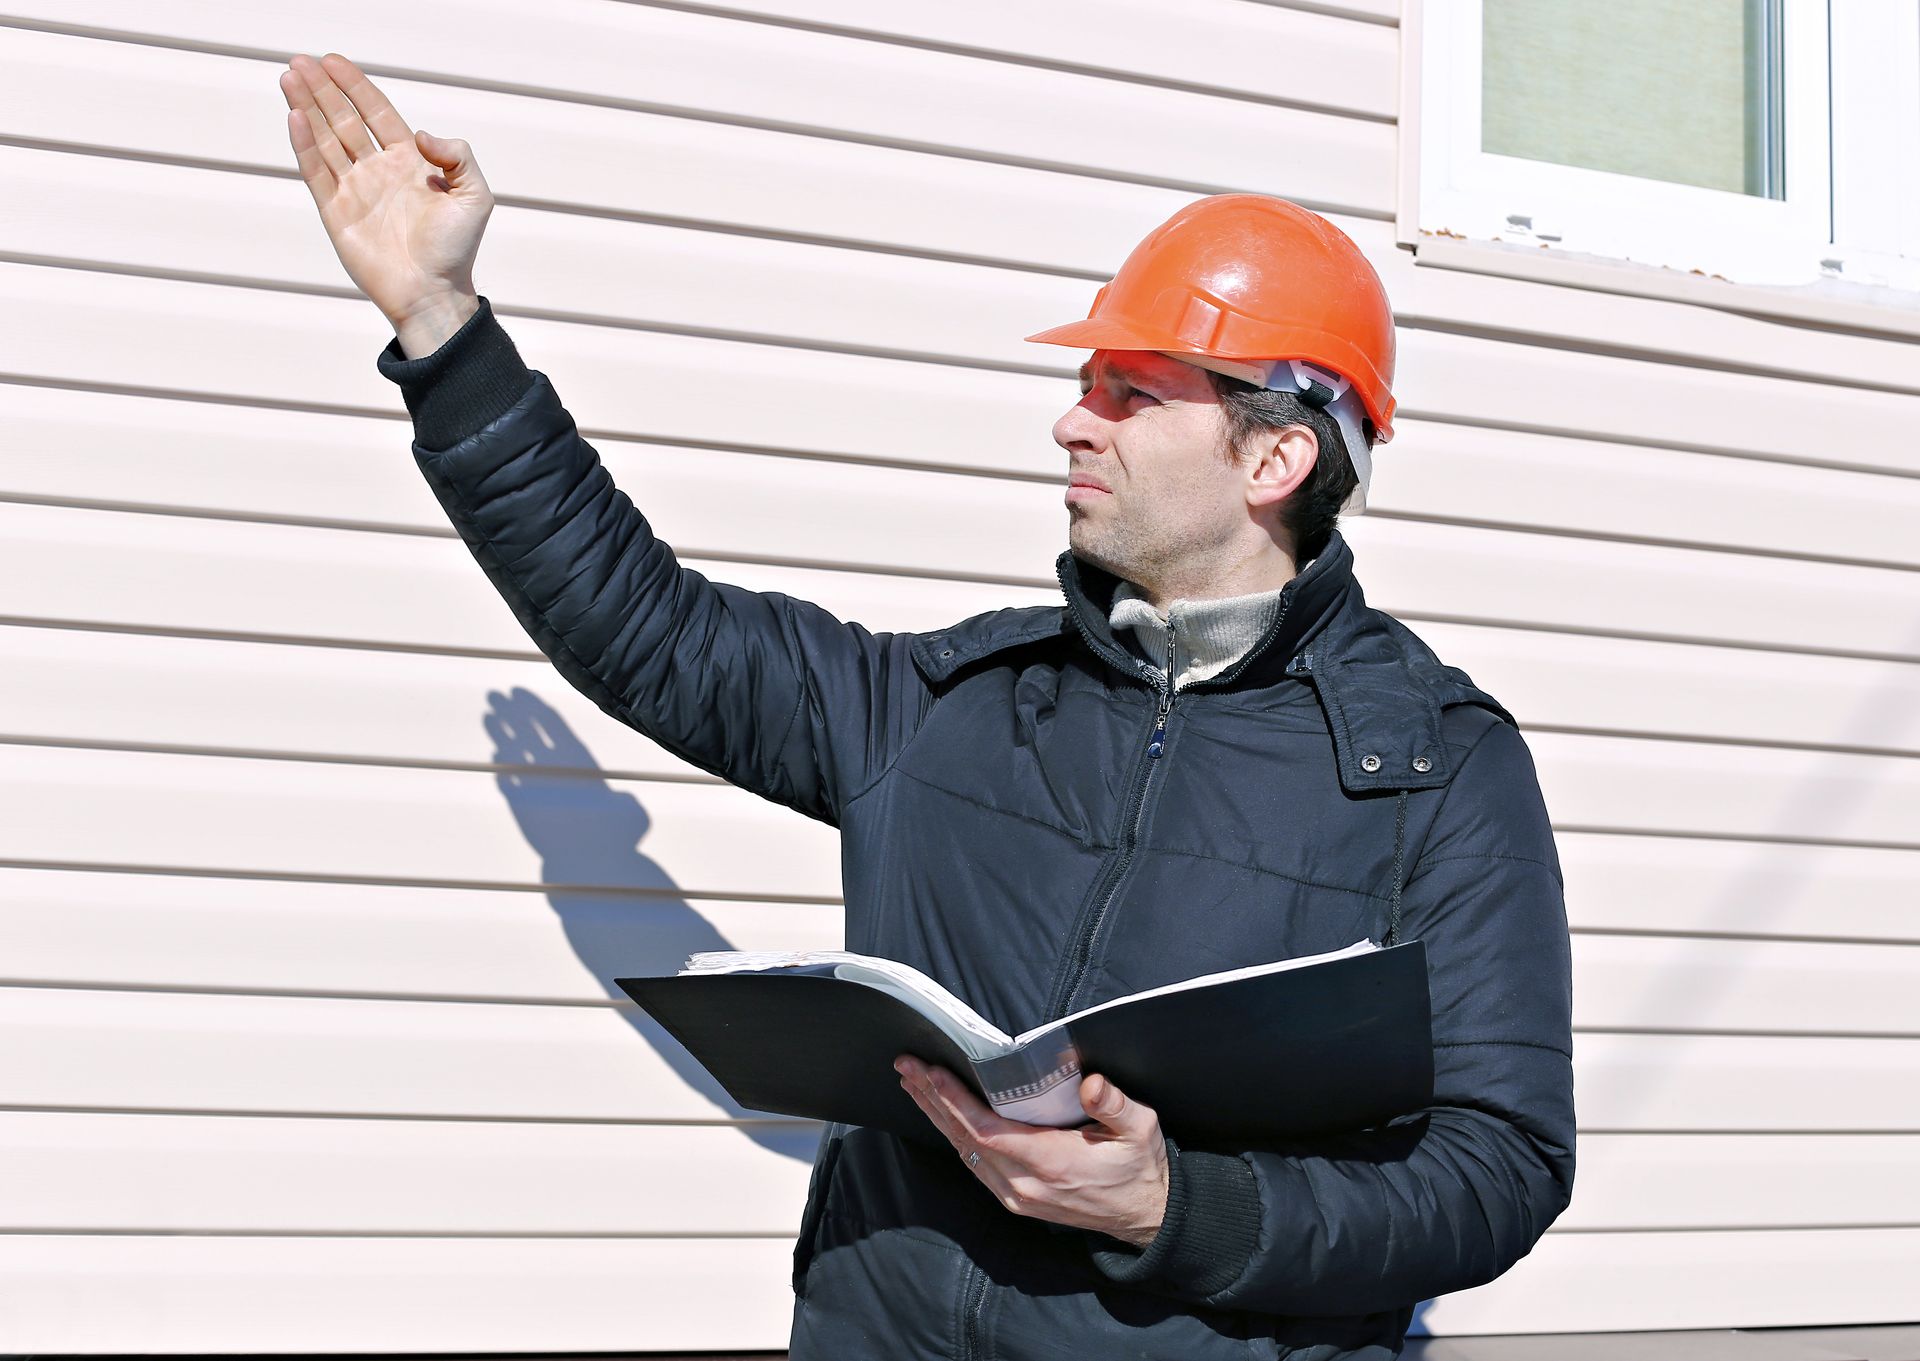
{"x":1005,"y":830}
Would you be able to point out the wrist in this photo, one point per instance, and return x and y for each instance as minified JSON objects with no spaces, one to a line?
{"x":425,"y":327}
{"x":1147,"y":1227}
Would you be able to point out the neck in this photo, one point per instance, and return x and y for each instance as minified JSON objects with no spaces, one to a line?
{"x":1266,"y":569}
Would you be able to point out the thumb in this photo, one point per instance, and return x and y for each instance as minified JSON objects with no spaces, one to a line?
{"x":1112,"y":1107}
{"x":445,"y":152}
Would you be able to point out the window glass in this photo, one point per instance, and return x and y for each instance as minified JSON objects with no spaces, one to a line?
{"x":1681,"y":90}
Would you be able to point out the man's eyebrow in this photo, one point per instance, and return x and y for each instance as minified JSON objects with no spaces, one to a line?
{"x":1132,"y":373}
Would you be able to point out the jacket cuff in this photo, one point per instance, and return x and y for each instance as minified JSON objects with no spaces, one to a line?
{"x":475,"y":377}
{"x":1208,"y":1236}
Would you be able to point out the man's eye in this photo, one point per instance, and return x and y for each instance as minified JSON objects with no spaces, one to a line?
{"x":1136,"y":392}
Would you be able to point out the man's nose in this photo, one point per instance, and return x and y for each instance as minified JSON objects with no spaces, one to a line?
{"x":1079,"y":429}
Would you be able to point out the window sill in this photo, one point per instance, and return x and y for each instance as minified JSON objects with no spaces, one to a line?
{"x":1825,"y":302}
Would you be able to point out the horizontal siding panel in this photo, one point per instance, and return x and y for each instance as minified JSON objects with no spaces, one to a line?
{"x":211,"y":109}
{"x":1566,"y":392}
{"x":1575,"y":484}
{"x":1573,"y":1283}
{"x":215,"y":223}
{"x":80,"y":1293}
{"x":339,"y":703}
{"x":123,"y":930}
{"x":705,"y":66}
{"x":1686,"y":689}
{"x":1424,"y":571}
{"x":1680,"y":984}
{"x":1626,"y":1082}
{"x":392,"y":590}
{"x":1629,"y":1182}
{"x":240,"y":1174}
{"x":126,"y":1173}
{"x":131,"y":930}
{"x":324,"y":820}
{"x":243,"y":462}
{"x":1685,"y":788}
{"x":249,"y":346}
{"x":157,"y":1051}
{"x":1230,"y":45}
{"x":72,"y":684}
{"x":203,"y":108}
{"x":104,"y":1293}
{"x":1777,"y":888}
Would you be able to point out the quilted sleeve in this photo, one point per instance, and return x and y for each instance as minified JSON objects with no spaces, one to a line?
{"x":771,"y":693}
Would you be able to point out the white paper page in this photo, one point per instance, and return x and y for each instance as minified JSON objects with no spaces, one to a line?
{"x":976,"y":1035}
{"x":1359,"y":947}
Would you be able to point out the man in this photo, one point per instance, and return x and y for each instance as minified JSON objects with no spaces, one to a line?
{"x":1215,"y":754}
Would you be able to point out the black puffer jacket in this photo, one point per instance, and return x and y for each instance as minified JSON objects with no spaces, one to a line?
{"x":1005,"y":830}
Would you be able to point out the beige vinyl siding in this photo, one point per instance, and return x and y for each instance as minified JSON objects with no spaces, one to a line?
{"x":324,"y":1053}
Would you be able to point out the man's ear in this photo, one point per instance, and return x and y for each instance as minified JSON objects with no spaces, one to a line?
{"x":1279,"y":459}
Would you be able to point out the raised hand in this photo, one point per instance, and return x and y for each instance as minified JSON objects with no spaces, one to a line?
{"x":403,"y":209}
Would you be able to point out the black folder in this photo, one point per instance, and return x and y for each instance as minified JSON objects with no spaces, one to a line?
{"x":1331,"y":1047}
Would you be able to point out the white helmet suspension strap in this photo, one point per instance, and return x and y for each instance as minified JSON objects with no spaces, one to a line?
{"x":1317,"y":387}
{"x":1323,"y":388}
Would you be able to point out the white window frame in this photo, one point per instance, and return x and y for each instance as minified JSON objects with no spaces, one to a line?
{"x":1851,"y":100}
{"x":1876,"y":141}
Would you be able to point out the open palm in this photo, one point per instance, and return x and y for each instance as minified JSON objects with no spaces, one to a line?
{"x":404,"y":210}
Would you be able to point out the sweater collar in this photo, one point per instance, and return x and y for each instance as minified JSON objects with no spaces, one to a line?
{"x":1302,"y":610}
{"x":1207,"y":636}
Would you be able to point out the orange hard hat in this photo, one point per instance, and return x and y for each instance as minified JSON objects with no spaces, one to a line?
{"x":1253,"y":278}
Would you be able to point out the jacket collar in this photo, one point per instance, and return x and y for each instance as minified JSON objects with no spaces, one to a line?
{"x":1308,"y":603}
{"x":1381,"y":687}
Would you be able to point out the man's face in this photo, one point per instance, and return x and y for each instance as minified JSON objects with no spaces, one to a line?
{"x":1151,"y":491}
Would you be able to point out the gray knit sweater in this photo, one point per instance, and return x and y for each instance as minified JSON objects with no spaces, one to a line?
{"x":1208,"y":636}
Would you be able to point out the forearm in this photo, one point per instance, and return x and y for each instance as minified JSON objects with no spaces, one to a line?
{"x":730,"y":680}
{"x":1395,"y":1217}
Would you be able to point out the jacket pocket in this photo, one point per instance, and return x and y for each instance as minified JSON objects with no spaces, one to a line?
{"x":819,"y":1185}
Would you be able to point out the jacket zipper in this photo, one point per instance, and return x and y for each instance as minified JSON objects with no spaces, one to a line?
{"x":974,"y":1281}
{"x":973,"y":1294}
{"x":1090,"y":928}
{"x":973,"y":1297}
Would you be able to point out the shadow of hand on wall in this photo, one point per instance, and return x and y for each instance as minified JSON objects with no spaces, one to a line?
{"x":588,"y":834}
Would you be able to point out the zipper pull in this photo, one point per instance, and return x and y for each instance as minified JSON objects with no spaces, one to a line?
{"x":1157,"y":743}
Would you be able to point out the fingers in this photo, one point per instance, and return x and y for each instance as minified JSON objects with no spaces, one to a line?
{"x":336,"y":111}
{"x":382,"y":119}
{"x":313,"y":166}
{"x":299,"y":96}
{"x":964,"y":1118}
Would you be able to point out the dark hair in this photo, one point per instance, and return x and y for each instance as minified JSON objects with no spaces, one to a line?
{"x":1310,"y":514}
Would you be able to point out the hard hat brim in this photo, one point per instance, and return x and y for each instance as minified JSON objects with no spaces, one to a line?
{"x":1105,"y":333}
{"x":1099,"y":333}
